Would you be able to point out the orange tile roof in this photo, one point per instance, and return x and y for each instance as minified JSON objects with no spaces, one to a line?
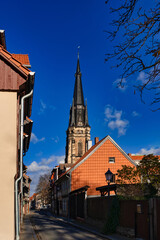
{"x":25,"y":166}
{"x":34,"y":195}
{"x":22,"y":58}
{"x":52,"y":176}
{"x":28,"y":119}
{"x":8,"y":56}
{"x":89,"y":151}
{"x":138,"y":157}
{"x":26,"y":176}
{"x":25,"y":134}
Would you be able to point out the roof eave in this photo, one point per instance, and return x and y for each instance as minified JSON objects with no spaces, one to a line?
{"x":12,"y":61}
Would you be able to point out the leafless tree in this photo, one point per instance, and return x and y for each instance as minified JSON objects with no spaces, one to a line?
{"x":139,"y":50}
{"x":44,"y":189}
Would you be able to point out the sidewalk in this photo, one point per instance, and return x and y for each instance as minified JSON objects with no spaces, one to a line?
{"x":27,"y":231}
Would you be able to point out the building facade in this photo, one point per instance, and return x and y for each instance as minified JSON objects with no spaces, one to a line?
{"x":74,"y":186}
{"x":16,"y":82}
{"x":26,"y":193}
{"x":78,"y":132}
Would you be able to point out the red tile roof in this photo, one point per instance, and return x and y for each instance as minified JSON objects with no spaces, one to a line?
{"x":22,"y":58}
{"x":8,"y":56}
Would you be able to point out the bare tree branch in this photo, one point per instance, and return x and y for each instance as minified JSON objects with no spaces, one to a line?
{"x":44,"y":189}
{"x":140,"y":48}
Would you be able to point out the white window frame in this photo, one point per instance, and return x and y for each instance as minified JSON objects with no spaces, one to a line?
{"x":109,"y":159}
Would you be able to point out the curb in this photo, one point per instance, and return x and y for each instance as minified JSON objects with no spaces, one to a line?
{"x":33,"y":231}
{"x":28,"y":229}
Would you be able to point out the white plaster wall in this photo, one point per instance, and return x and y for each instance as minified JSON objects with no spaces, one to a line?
{"x":8,"y":152}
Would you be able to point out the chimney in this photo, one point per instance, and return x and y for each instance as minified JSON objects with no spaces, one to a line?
{"x":56,"y":173}
{"x":89,"y":144}
{"x":96,"y":140}
{"x":129,"y":154}
{"x":2,"y":38}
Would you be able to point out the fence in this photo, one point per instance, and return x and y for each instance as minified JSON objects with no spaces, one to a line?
{"x":140,"y":216}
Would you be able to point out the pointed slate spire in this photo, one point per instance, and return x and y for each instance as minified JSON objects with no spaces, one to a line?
{"x":72,"y":114}
{"x":78,"y":91}
{"x":78,"y":65}
{"x":86,"y":115}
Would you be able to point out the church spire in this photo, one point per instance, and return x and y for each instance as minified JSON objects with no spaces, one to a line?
{"x":78,"y":132}
{"x":86,"y":115}
{"x":78,"y":91}
{"x":72,"y":114}
{"x":78,"y":66}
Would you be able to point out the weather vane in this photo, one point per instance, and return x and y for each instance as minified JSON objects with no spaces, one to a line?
{"x":78,"y":51}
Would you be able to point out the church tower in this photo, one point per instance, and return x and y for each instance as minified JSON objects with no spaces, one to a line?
{"x":78,"y":132}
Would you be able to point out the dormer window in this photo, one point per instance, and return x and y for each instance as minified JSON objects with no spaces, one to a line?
{"x":111,"y":159}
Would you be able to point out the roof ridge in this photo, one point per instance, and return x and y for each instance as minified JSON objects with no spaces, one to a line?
{"x":93,"y":148}
{"x":10,"y":57}
{"x":84,"y":156}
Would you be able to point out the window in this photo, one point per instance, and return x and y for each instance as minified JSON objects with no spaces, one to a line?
{"x":111,"y":159}
{"x":80,"y":149}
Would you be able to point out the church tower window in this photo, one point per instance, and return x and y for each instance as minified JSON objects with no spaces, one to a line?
{"x":80,"y":149}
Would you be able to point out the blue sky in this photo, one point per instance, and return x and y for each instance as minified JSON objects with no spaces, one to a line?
{"x":50,"y":32}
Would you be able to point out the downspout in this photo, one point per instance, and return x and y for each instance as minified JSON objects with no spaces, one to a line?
{"x":21,"y":162}
{"x":21,"y":193}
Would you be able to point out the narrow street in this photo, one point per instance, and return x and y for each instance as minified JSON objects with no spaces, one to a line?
{"x":47,"y":227}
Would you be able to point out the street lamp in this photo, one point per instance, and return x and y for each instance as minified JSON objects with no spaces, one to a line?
{"x":108,"y":176}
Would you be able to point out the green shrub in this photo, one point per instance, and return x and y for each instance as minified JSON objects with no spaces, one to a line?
{"x":112,"y":218}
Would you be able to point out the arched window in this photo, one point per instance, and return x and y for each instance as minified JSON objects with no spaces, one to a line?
{"x":80,"y":149}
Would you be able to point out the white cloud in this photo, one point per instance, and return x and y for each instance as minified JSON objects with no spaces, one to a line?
{"x":39,"y":154}
{"x":35,"y":167}
{"x":52,"y":159}
{"x":45,"y":163}
{"x":135,"y":114}
{"x":34,"y":139}
{"x":35,"y":170}
{"x":142,"y":77}
{"x":55,"y":139}
{"x":115,"y":121}
{"x":121,"y":86}
{"x":152,"y":150}
{"x":43,"y":107}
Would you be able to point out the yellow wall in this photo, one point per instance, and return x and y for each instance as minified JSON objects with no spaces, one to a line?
{"x":8,"y":151}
